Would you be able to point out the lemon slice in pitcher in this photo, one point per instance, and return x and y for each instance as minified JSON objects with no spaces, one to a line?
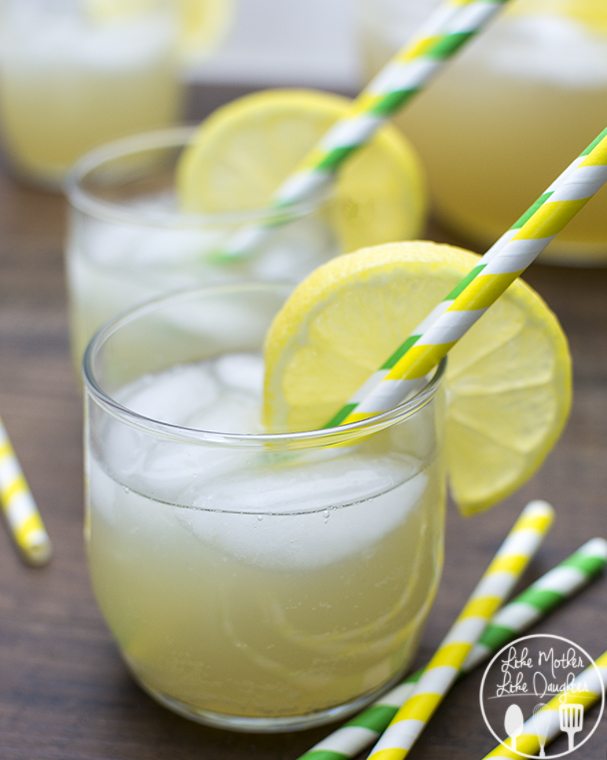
{"x":508,"y":380}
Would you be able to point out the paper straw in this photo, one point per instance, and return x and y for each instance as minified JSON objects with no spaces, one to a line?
{"x":587,"y":689}
{"x":536,"y":602}
{"x":450,"y":27}
{"x":474,"y":294}
{"x":443,"y":669}
{"x":541,"y":598}
{"x":22,"y":515}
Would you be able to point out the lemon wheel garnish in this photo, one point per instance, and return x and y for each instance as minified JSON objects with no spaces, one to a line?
{"x":244,"y":151}
{"x":508,"y":380}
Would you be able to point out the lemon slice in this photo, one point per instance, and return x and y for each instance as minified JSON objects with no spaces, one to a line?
{"x":245,"y":150}
{"x":508,"y":379}
{"x":203,"y":23}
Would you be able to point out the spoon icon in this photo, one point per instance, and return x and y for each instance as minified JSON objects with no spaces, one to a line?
{"x":513,"y":723}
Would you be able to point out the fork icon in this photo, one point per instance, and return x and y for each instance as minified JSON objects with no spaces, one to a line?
{"x":571,"y":718}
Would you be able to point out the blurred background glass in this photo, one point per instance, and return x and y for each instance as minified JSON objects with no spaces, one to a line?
{"x":503,"y":120}
{"x":77,"y":73}
{"x":129,"y":239}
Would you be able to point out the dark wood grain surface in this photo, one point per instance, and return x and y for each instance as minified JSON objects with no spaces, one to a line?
{"x":64,"y":694}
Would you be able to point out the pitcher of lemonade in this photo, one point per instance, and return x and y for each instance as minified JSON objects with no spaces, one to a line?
{"x":525,"y":93}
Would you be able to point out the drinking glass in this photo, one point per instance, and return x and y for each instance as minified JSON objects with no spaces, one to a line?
{"x":252,"y":580}
{"x":128,"y":240}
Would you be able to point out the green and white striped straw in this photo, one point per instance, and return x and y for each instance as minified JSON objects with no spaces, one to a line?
{"x":506,"y":260}
{"x":446,"y":31}
{"x":532,"y":605}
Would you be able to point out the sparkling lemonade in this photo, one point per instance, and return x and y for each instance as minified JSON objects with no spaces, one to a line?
{"x":298,"y":587}
{"x":249,"y":580}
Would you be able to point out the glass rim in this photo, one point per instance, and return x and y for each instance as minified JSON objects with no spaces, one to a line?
{"x":184,"y":434}
{"x":90,"y":203}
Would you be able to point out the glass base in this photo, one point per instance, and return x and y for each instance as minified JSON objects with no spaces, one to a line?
{"x":268,"y":725}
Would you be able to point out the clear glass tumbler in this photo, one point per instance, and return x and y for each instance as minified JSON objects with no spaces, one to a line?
{"x":252,"y":581}
{"x":128,"y":240}
{"x":77,"y":73}
{"x":507,"y":116}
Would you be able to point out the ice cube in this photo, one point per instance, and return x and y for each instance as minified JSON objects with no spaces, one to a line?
{"x":233,"y":412}
{"x":322,"y":513}
{"x":289,"y":510}
{"x":190,"y":396}
{"x":103,"y":491}
{"x":173,"y":396}
{"x":242,"y":372}
{"x":175,"y":473}
{"x":294,"y":251}
{"x":169,"y":397}
{"x":152,"y":250}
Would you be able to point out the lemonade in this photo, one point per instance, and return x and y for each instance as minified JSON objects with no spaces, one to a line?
{"x":70,"y":80}
{"x":252,"y":581}
{"x":493,"y":128}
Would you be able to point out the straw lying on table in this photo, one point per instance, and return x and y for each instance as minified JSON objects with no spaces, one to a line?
{"x":468,"y":301}
{"x":443,"y":669}
{"x":542,"y":597}
{"x":446,"y":31}
{"x":533,"y":604}
{"x":587,"y":689}
{"x":22,"y":515}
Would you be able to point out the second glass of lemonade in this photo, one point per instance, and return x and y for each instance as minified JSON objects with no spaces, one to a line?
{"x":128,"y":239}
{"x":253,"y":581}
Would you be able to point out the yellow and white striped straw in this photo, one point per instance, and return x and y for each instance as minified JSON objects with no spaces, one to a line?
{"x":533,"y":604}
{"x":506,"y":260}
{"x":20,"y":510}
{"x":443,"y":669}
{"x":587,"y":689}
{"x":451,"y":26}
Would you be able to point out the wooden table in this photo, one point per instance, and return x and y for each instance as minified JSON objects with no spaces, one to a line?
{"x":64,"y":694}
